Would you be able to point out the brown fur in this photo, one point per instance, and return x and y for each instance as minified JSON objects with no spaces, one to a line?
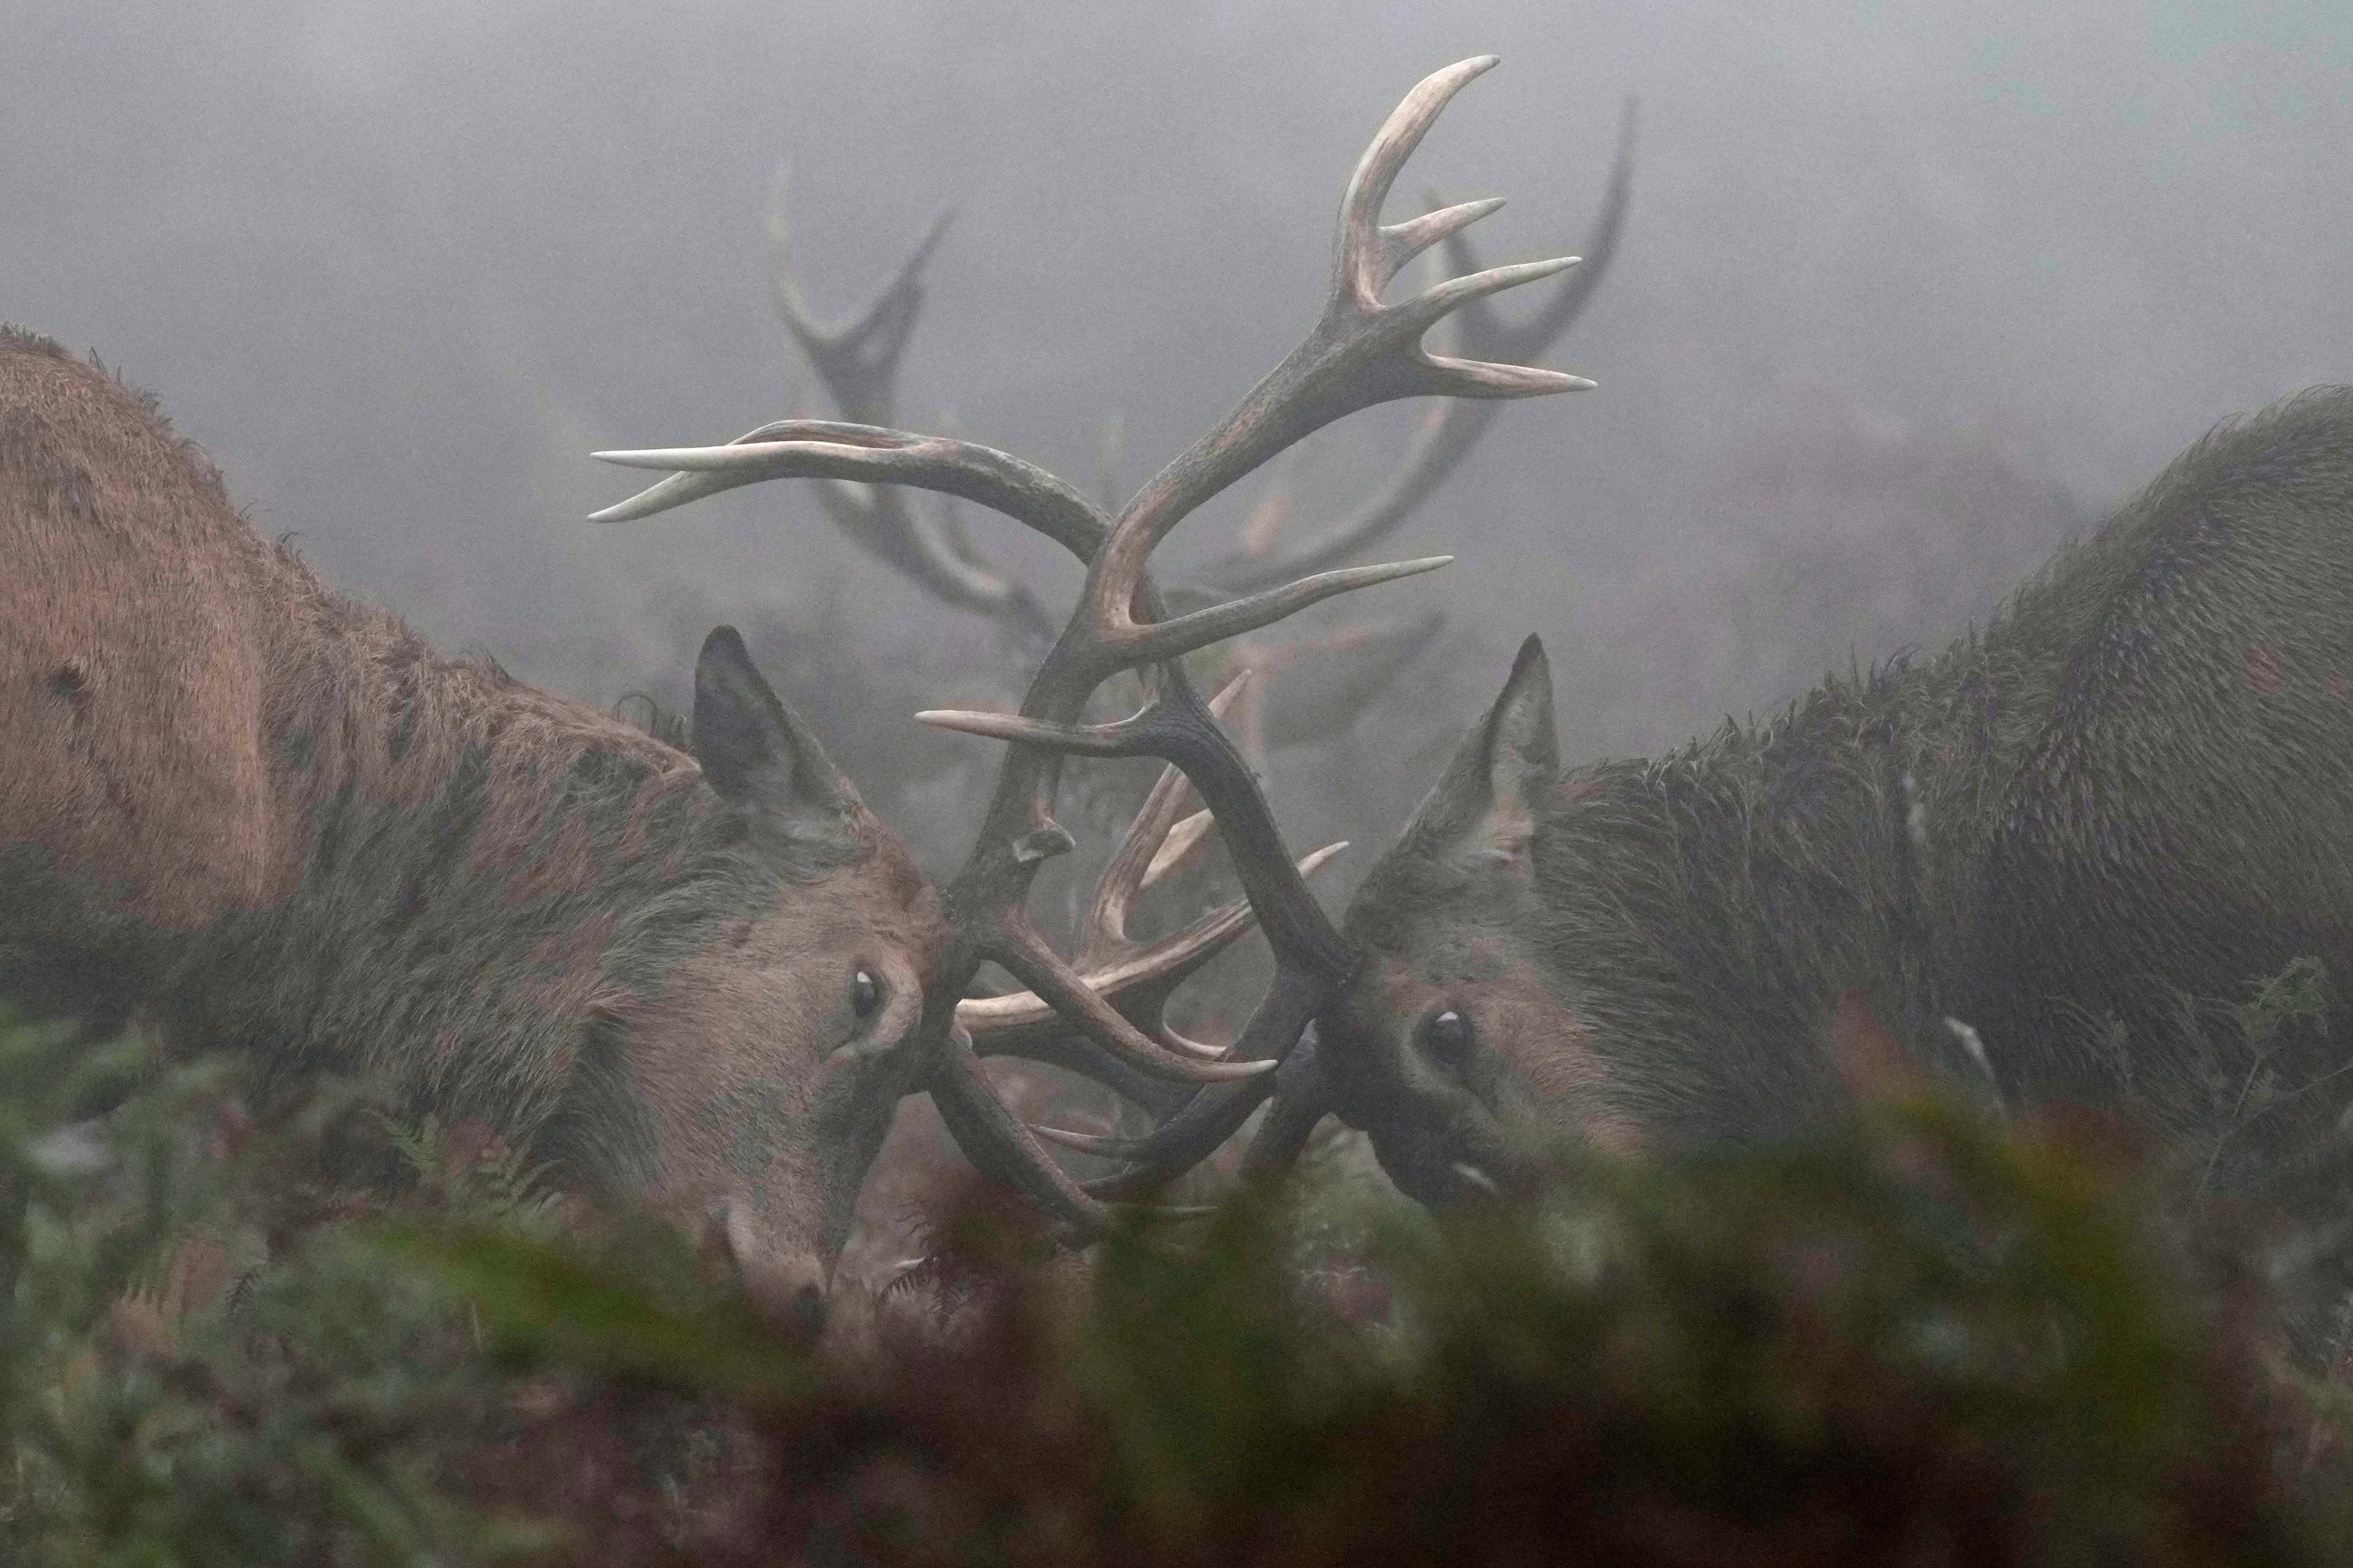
{"x":274,"y":818}
{"x":2130,"y":787}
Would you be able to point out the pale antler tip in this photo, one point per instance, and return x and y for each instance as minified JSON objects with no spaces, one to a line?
{"x":1310,"y":864}
{"x":1084,"y":1143}
{"x":953,"y":719}
{"x":1231,"y":689}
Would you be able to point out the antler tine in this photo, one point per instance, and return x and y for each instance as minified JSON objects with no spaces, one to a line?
{"x":1115,"y":970}
{"x":1301,"y":1099}
{"x":1444,"y":437}
{"x":1401,"y":242}
{"x":821,"y":448}
{"x":1370,"y":255}
{"x":1105,"y":931}
{"x":1190,"y":1136}
{"x":1358,"y":354}
{"x":858,"y":360}
{"x":1485,"y":335}
{"x":1022,"y":949}
{"x":1180,"y":848}
{"x":1001,"y":1148}
{"x":1180,"y":634}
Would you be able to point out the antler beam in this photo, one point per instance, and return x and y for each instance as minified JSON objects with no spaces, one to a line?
{"x":858,"y":361}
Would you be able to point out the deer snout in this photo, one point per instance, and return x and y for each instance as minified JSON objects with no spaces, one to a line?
{"x":787,"y":1288}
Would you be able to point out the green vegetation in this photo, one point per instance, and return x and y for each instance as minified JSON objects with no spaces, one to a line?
{"x":197,"y":1365}
{"x":1921,"y":1337}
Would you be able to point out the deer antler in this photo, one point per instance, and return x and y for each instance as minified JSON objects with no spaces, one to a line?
{"x":1112,"y":964}
{"x":1358,"y":353}
{"x":858,"y":361}
{"x":1444,"y":436}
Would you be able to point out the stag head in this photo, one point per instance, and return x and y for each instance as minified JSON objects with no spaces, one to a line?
{"x":1449,"y":1041}
{"x":759,"y":1055}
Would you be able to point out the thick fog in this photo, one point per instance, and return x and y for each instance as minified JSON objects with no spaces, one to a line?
{"x":400,"y":267}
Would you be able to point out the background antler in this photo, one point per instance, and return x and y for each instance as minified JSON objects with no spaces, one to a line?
{"x":1359,"y":352}
{"x":858,"y":361}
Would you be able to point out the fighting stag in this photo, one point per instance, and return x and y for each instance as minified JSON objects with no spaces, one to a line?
{"x":264,"y":817}
{"x":2007,"y":867}
{"x":1359,"y":352}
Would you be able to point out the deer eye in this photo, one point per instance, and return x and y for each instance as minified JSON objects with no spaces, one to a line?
{"x":1447,"y":1039}
{"x":865,"y":994}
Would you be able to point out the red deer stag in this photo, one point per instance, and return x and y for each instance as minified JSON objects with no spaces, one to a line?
{"x":2008,"y":866}
{"x":269,"y":817}
{"x":1106,"y":1005}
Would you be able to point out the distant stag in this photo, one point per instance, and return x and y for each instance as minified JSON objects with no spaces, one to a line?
{"x":267,"y":818}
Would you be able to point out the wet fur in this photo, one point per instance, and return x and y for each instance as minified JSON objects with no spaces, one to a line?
{"x":2133,"y":784}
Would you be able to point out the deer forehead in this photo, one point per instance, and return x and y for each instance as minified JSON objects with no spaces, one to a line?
{"x":1449,"y":954}
{"x":876,"y":901}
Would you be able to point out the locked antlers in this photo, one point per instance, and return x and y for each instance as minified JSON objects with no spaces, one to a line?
{"x":1114,"y":965}
{"x":1359,"y":352}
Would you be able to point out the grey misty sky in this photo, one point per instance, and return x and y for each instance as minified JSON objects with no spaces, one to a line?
{"x":402,"y":264}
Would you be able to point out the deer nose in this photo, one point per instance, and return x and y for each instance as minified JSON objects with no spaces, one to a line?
{"x":787,"y":1290}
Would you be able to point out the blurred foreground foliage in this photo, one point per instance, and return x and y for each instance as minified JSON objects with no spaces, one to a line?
{"x":1920,"y":1337}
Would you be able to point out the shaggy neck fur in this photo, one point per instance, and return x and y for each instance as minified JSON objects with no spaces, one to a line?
{"x":274,"y":819}
{"x":2127,"y":789}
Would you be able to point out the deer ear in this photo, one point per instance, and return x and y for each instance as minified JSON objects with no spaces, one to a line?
{"x":754,"y":751}
{"x":1493,"y":794}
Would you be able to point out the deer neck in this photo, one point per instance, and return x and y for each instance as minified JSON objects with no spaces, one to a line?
{"x":1708,"y":911}
{"x":472,"y":880}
